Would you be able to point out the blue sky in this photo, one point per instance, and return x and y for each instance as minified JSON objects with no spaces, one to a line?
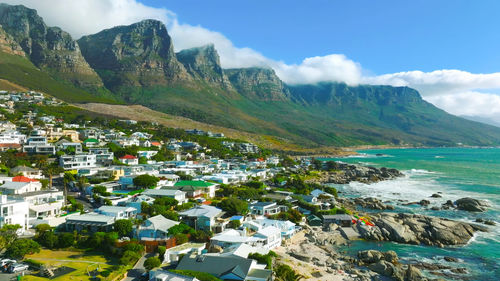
{"x":449,"y":50}
{"x":385,"y":36}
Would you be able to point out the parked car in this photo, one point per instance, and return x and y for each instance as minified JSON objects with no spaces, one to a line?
{"x":16,"y":267}
{"x":5,"y":261}
{"x":6,"y":265}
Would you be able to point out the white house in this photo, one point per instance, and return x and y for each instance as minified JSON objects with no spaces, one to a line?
{"x":78,"y":161}
{"x":13,"y":211}
{"x":129,"y":160}
{"x":117,"y":212}
{"x":178,"y":195}
{"x":271,"y":237}
{"x":173,"y":254}
{"x":20,"y":187}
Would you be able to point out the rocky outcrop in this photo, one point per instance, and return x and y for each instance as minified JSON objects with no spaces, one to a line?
{"x":341,"y":173}
{"x":9,"y":45}
{"x":471,"y":205}
{"x":257,"y":83}
{"x":387,"y":264}
{"x":203,"y":63}
{"x":141,"y":54}
{"x":367,"y":203}
{"x":49,"y":48}
{"x":418,"y":229}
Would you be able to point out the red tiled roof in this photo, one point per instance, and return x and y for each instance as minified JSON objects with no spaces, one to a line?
{"x":23,"y":179}
{"x":10,"y":145}
{"x":155,"y":143}
{"x":128,"y":157}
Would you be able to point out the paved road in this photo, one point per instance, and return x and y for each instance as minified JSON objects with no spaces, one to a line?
{"x":135,"y":273}
{"x":11,"y":276}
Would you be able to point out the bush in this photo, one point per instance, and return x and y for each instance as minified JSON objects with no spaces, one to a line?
{"x":33,"y":263}
{"x":123,"y":227}
{"x":161,"y":252}
{"x":234,"y":206}
{"x":135,"y":247}
{"x":181,"y":238}
{"x":151,"y":263}
{"x":105,"y":273}
{"x":130,"y":257}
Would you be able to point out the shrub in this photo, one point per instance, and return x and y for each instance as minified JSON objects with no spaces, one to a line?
{"x":151,"y":263}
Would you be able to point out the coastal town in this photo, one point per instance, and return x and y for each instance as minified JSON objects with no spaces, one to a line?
{"x":92,"y":197}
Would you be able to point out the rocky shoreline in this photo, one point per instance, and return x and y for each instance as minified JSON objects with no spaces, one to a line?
{"x":342,"y":173}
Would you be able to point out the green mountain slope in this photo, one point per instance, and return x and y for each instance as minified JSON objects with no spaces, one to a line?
{"x":21,"y":71}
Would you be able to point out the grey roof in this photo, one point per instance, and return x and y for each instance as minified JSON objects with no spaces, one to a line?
{"x":162,"y":192}
{"x":216,"y":265}
{"x":202,"y":210}
{"x":115,"y":209}
{"x":20,"y":169}
{"x":337,"y":217}
{"x":14,"y":185}
{"x":159,"y":222}
{"x":91,"y":218}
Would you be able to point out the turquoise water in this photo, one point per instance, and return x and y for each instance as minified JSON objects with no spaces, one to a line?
{"x":457,"y":173}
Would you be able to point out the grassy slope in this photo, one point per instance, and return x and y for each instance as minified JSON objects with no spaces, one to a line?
{"x":21,"y":71}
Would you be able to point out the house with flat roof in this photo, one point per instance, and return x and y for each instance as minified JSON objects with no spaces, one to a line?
{"x":340,"y":219}
{"x":164,"y":275}
{"x":266,"y":208}
{"x":117,"y":212}
{"x":92,"y":222}
{"x":173,"y":254}
{"x":13,"y":211}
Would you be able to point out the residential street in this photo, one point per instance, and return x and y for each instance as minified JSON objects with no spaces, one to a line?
{"x":135,"y":273}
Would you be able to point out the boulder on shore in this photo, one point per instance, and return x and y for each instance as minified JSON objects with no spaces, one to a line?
{"x":472,"y":205}
{"x":418,"y":229}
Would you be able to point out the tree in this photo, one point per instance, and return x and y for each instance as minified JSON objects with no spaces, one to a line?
{"x":51,"y":171}
{"x":146,"y":181}
{"x":123,"y":227}
{"x":8,"y":234}
{"x":65,"y":240}
{"x":234,"y":224}
{"x":151,"y":263}
{"x":181,"y":238}
{"x":22,"y":247}
{"x":180,"y":228}
{"x":143,"y":160}
{"x":234,"y":206}
{"x":48,"y":239}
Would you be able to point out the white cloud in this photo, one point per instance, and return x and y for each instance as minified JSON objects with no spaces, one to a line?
{"x":456,"y":91}
{"x":469,"y":104}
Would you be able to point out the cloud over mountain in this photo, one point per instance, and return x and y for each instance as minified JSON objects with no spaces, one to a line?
{"x":458,"y":92}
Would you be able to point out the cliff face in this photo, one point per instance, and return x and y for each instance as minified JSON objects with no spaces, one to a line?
{"x":8,"y":45}
{"x":257,"y":83}
{"x":203,"y":63}
{"x":49,"y":48}
{"x":140,"y":54}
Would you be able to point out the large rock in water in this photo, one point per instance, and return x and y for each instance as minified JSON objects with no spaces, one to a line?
{"x":418,"y":229}
{"x":471,"y":205}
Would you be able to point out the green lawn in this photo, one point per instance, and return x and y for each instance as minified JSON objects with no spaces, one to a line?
{"x":79,"y":260}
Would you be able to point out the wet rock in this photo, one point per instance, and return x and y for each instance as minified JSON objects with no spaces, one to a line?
{"x":424,"y":202}
{"x":436,"y":195}
{"x":489,"y":222}
{"x":450,"y":259}
{"x":435,"y":208}
{"x":459,"y":270}
{"x":413,"y":274}
{"x":471,"y":205}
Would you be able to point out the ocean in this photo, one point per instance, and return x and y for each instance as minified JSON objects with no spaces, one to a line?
{"x":456,"y":173}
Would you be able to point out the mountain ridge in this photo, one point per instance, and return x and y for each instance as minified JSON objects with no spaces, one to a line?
{"x":136,"y":64}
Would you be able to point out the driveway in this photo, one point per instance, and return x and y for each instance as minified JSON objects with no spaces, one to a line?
{"x":135,"y":273}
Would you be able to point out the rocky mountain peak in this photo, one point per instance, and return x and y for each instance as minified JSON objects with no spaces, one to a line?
{"x":204,"y":63}
{"x":141,"y":54}
{"x":259,"y":83}
{"x":49,"y":48}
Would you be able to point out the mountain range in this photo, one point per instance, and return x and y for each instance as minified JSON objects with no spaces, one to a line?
{"x":137,"y":64}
